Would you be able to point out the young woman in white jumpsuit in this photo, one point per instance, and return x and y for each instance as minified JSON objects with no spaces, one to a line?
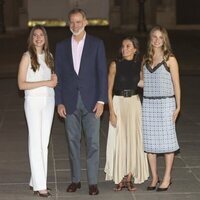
{"x":36,"y":78}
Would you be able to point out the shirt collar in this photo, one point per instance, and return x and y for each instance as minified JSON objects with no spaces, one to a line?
{"x":82,"y":40}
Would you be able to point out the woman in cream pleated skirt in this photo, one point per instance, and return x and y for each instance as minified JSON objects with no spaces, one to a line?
{"x":125,"y":152}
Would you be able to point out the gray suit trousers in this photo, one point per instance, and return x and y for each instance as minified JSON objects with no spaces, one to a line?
{"x":83,"y":121}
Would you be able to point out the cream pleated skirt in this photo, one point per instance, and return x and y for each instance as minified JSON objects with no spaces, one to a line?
{"x":125,"y":152}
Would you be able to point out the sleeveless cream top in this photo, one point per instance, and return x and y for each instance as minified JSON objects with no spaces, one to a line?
{"x":43,"y":74}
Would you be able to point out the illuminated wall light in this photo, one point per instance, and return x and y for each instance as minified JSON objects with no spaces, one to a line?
{"x":61,"y":23}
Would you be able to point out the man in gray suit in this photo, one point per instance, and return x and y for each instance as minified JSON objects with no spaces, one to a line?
{"x":81,"y":94}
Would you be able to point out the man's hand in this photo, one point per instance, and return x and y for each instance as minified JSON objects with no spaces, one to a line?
{"x":98,"y":109}
{"x":61,"y":111}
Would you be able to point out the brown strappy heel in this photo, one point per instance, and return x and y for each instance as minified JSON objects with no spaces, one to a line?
{"x":130,"y":186}
{"x":120,"y":186}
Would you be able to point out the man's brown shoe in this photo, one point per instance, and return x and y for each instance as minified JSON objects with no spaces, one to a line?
{"x":93,"y":190}
{"x":73,"y":187}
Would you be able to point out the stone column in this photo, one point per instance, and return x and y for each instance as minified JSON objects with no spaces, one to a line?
{"x":2,"y":24}
{"x":23,"y":15}
{"x":166,"y":13}
{"x":114,"y":14}
{"x":141,"y":17}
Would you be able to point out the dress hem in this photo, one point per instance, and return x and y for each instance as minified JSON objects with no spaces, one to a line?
{"x":175,"y":151}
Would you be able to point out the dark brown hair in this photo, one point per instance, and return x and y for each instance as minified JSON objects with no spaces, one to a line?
{"x":135,"y":43}
{"x":32,"y":50}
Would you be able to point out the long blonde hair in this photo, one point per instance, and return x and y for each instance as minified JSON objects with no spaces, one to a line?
{"x":32,"y":50}
{"x":166,"y":48}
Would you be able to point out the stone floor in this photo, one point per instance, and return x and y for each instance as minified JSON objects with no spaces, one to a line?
{"x":14,"y":164}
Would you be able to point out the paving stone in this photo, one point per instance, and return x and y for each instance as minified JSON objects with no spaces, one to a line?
{"x":14,"y":162}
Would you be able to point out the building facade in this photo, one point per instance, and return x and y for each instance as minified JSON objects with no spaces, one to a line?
{"x":118,"y":14}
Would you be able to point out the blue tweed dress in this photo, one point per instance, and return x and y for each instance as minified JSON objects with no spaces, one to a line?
{"x":159,"y":132}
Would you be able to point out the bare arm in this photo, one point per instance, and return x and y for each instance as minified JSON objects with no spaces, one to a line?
{"x":111,"y":78}
{"x":141,"y":82}
{"x":174,"y":70}
{"x":25,"y":85}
